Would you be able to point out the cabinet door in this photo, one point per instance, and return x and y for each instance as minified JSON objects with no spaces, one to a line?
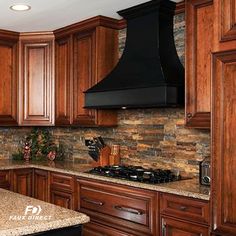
{"x":36,"y":104}
{"x":199,"y":38}
{"x":41,"y":185}
{"x":8,"y":83}
{"x":62,"y":199}
{"x":225,"y":25}
{"x":22,"y":181}
{"x":95,"y":54}
{"x":172,"y":227}
{"x":84,"y":76}
{"x":5,"y":179}
{"x":223,"y":142}
{"x":64,"y":77}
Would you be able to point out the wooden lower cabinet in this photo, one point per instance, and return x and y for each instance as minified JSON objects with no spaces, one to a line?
{"x":41,"y":185}
{"x":5,"y":179}
{"x":23,"y":181}
{"x":223,"y":142}
{"x":62,"y":190}
{"x":117,"y":209}
{"x":183,"y":216}
{"x":62,"y":199}
{"x":174,"y":227}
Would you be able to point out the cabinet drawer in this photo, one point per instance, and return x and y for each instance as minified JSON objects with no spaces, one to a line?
{"x":62,"y":181}
{"x":184,"y":208}
{"x":118,"y":206}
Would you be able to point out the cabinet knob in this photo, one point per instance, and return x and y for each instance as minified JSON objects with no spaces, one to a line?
{"x":183,"y":208}
{"x":189,"y":115}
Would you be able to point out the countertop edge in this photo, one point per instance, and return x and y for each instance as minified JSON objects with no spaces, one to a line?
{"x":164,"y":189}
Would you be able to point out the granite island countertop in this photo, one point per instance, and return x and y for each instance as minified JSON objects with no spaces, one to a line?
{"x":21,"y":215}
{"x":188,"y":188}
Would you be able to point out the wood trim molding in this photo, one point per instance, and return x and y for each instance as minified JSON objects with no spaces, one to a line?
{"x":180,"y":8}
{"x":9,"y":35}
{"x":102,"y":21}
{"x":86,"y":25}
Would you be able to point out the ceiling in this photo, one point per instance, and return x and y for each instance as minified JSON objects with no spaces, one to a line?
{"x":48,"y":15}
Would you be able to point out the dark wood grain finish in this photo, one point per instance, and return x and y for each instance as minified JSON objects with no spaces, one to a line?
{"x":185,"y":208}
{"x":95,"y":54}
{"x":8,"y":79}
{"x":64,"y":80}
{"x":199,"y":26}
{"x":41,"y":185}
{"x":224,"y":25}
{"x":5,"y":179}
{"x":223,"y":142}
{"x":174,"y":227}
{"x":36,"y":83}
{"x":227,"y":19}
{"x":63,"y":199}
{"x":83,"y":59}
{"x":125,"y":209}
{"x":84,"y":76}
{"x":62,"y":181}
{"x":23,"y":181}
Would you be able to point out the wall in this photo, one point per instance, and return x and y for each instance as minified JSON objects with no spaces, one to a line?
{"x":148,"y":137}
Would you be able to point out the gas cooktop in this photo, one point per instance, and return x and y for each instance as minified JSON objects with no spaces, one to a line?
{"x":137,"y":173}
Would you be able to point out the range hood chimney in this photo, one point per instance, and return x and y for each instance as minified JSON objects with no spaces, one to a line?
{"x":149,"y":73}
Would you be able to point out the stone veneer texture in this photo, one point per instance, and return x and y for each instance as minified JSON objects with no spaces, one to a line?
{"x":148,"y":137}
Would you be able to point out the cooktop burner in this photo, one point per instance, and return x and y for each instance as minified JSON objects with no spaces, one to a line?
{"x":137,"y":173}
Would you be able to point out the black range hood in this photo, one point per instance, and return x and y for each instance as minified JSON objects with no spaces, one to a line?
{"x":149,"y":73}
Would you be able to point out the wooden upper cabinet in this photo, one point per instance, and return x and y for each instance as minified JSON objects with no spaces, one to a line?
{"x":199,"y":38}
{"x":36,"y":79}
{"x":223,"y":143}
{"x":64,"y":77}
{"x":225,"y":25}
{"x":8,"y":78}
{"x":85,"y":54}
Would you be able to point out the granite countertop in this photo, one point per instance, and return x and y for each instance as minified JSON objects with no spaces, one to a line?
{"x":21,"y":215}
{"x":188,"y":188}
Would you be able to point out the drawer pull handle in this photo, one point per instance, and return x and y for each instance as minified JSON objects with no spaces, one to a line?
{"x":93,"y":201}
{"x":129,"y":210}
{"x":183,"y":208}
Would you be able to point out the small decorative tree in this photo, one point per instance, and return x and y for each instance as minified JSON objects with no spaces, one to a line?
{"x":41,"y":146}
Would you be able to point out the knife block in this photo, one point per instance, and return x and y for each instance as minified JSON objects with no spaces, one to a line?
{"x":103,"y":158}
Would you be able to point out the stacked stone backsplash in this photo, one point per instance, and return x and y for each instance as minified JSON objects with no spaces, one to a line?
{"x":148,"y":137}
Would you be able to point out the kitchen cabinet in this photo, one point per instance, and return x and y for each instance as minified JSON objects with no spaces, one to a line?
{"x":199,"y":38}
{"x":5,"y":179}
{"x":36,"y":79}
{"x":224,"y":25}
{"x":8,"y":78}
{"x":223,"y":142}
{"x":183,"y":216}
{"x":119,"y":210}
{"x":61,"y":198}
{"x":41,"y":185}
{"x":23,"y":181}
{"x":62,"y":190}
{"x":174,"y":227}
{"x":85,"y":54}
